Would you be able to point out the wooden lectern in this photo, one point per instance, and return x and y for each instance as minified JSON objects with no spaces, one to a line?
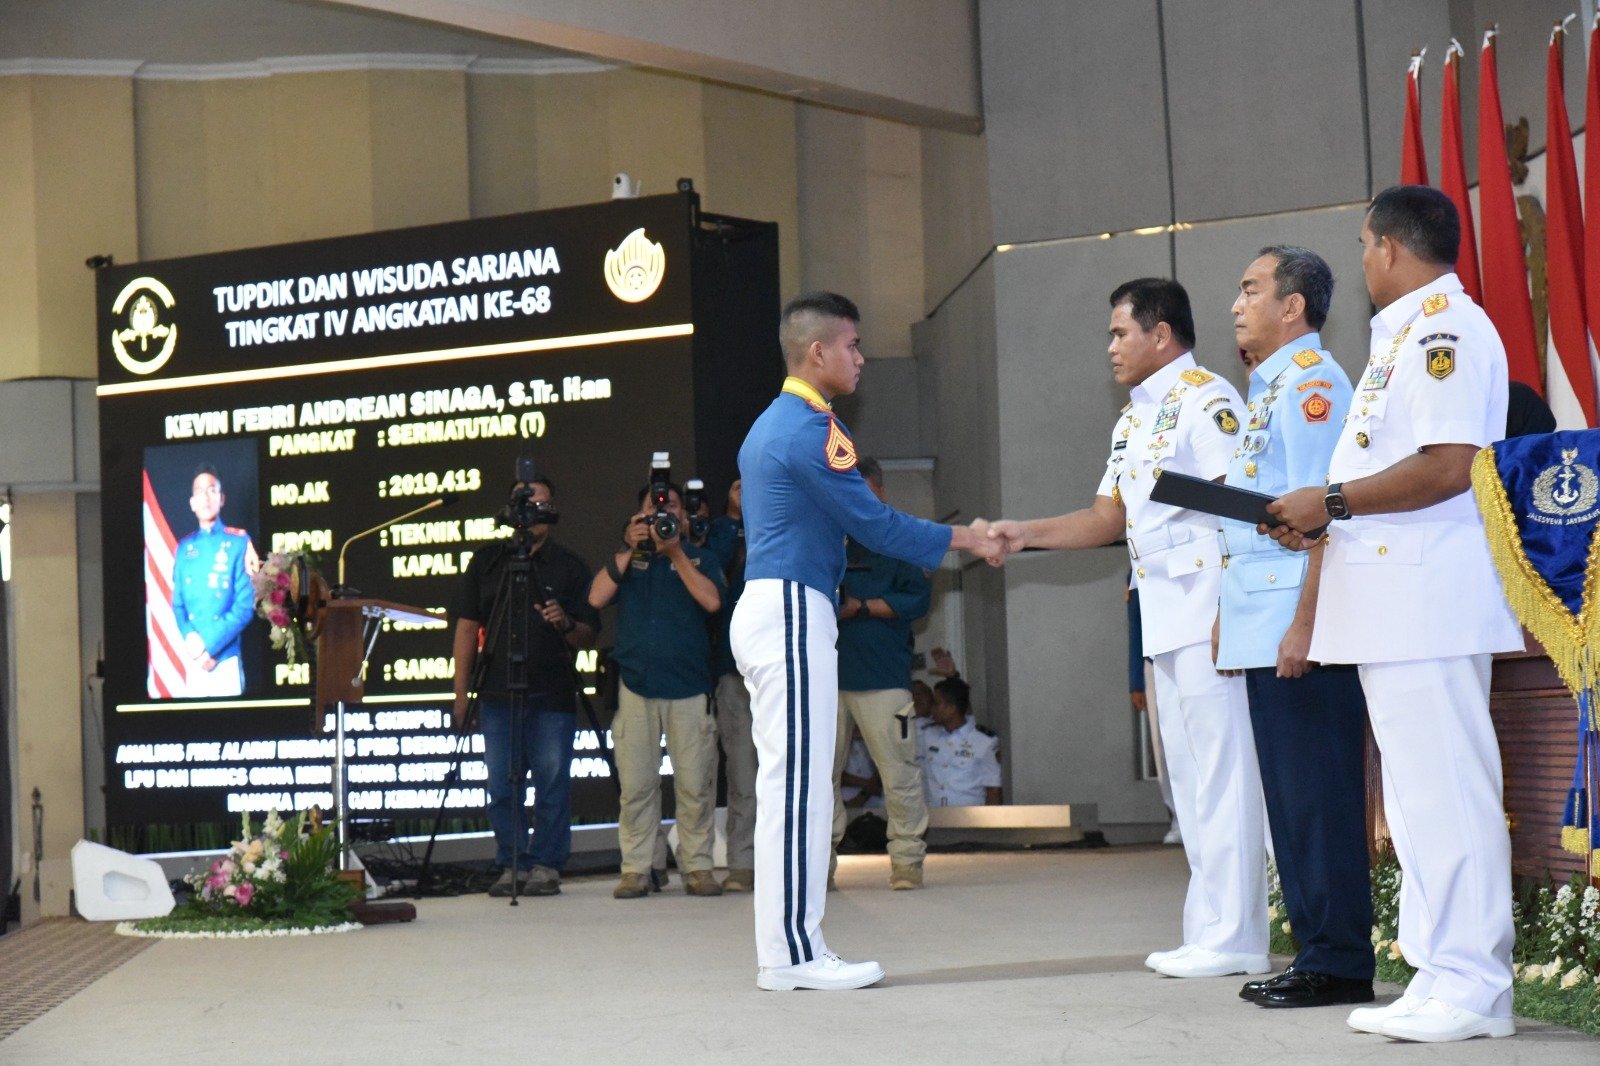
{"x":348,"y":629}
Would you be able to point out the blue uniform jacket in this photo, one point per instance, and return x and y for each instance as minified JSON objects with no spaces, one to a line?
{"x":803,"y":495}
{"x":663,"y":648}
{"x":875,"y":653}
{"x":211,"y":593}
{"x":1298,"y":399}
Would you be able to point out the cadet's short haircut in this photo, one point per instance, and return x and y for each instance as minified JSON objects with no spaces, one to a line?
{"x":1300,"y":270}
{"x":1424,"y":220}
{"x":206,"y":468}
{"x":870,"y":469}
{"x":1153,"y":300}
{"x":957,"y":693}
{"x":804,"y":316}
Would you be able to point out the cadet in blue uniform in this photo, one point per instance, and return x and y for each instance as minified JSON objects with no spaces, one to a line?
{"x":1309,"y":720}
{"x":802,"y":496}
{"x":212,"y":597}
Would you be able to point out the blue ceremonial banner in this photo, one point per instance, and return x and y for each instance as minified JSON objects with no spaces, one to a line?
{"x":1540,"y":500}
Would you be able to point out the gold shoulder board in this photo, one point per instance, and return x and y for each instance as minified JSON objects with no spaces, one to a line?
{"x":1435,"y":303}
{"x":1307,"y":357}
{"x":1196,"y":376}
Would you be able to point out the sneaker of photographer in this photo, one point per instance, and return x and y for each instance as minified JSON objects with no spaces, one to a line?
{"x":830,"y":973}
{"x":542,"y":881}
{"x":502,"y":885}
{"x":632,"y":886}
{"x":701,"y":883}
{"x":905,"y":875}
{"x":739,"y":880}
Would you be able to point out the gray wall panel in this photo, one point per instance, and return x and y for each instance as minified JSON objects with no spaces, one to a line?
{"x":1212,"y":256}
{"x":1266,"y":111}
{"x":1072,"y":106}
{"x":1392,"y":29}
{"x":883,"y":415}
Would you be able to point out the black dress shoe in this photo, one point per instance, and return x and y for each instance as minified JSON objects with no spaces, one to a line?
{"x":1307,"y":988}
{"x":1253,"y":989}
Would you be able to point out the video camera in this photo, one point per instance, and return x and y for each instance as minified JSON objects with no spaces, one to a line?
{"x":662,"y":521}
{"x":522,"y":512}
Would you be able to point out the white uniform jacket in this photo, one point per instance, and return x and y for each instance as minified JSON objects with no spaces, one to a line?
{"x":1185,"y":419}
{"x":1418,"y":584}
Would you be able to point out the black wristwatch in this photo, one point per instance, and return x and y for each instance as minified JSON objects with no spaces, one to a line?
{"x":1334,"y":501}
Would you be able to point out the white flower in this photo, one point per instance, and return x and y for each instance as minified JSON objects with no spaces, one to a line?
{"x":1572,"y":977}
{"x":1550,"y":969}
{"x":1395,"y":952}
{"x":1530,"y":974}
{"x":1272,"y":913}
{"x":1285,"y":928}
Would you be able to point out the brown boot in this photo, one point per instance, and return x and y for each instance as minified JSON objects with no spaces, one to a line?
{"x":739,"y":879}
{"x":903,"y":876}
{"x":701,"y":883}
{"x":632,"y":886}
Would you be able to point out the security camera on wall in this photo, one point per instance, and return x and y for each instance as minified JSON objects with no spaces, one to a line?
{"x":624,"y":187}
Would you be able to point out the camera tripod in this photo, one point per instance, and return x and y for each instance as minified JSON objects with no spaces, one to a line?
{"x":512,"y":613}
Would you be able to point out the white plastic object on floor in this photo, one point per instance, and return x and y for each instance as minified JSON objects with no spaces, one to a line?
{"x":113,"y":886}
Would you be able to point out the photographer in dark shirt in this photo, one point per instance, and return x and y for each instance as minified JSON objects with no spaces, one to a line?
{"x":559,"y":584}
{"x":666,"y":590}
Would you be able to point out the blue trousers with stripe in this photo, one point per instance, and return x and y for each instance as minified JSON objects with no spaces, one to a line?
{"x":783,"y":637}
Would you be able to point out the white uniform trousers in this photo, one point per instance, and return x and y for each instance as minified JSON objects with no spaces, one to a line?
{"x":739,"y":759}
{"x":1216,"y":790}
{"x":783,"y":636}
{"x":1442,"y":795}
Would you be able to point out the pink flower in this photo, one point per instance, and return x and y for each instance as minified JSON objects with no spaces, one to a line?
{"x":283,"y":579}
{"x":242,"y":896}
{"x":278,"y":596}
{"x":279,"y":619}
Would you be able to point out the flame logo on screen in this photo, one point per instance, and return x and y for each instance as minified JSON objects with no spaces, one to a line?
{"x":133,"y":345}
{"x":635,"y":267}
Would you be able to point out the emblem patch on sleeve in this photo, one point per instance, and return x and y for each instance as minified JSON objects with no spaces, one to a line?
{"x":1196,"y":376}
{"x":1435,"y":303}
{"x":840,"y":450}
{"x":1316,"y":407}
{"x":1226,"y":421}
{"x":1306,"y":358}
{"x":1441,"y":361}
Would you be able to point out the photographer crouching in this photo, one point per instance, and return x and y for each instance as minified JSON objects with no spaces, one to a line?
{"x":666,"y":589}
{"x":558,"y":621}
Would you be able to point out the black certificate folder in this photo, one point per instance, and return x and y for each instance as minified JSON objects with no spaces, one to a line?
{"x":1212,"y":497}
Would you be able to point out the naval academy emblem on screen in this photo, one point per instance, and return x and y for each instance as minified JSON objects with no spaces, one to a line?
{"x":635,"y":267}
{"x":145,"y":335}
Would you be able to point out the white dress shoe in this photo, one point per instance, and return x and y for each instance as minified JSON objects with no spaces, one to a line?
{"x":829,"y":973}
{"x":1174,"y":835}
{"x":1201,"y":962}
{"x":1156,"y":958}
{"x":1436,"y":1021}
{"x":1371,"y":1019}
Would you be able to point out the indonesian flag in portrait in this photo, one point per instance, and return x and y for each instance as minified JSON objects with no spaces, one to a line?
{"x":1505,"y":269}
{"x":1453,"y":171}
{"x":1413,"y":160}
{"x":1591,"y":186}
{"x":166,"y":675}
{"x":1569,"y":369}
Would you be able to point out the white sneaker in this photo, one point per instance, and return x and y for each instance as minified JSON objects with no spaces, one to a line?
{"x":1436,"y":1021}
{"x":1371,"y":1019}
{"x":1202,"y":962}
{"x":1156,"y":958}
{"x":830,"y":973}
{"x":1174,"y":835}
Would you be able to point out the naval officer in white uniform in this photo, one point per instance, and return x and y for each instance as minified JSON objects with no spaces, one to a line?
{"x":1185,"y":419}
{"x":1410,"y":593}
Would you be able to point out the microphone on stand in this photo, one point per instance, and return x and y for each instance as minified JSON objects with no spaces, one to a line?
{"x":341,"y":590}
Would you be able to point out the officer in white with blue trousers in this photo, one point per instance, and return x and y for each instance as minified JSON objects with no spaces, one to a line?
{"x":1410,"y":593}
{"x":802,"y":496}
{"x":1185,"y":419}
{"x":1310,"y":721}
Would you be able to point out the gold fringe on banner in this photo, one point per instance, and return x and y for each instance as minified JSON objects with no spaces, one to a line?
{"x":1568,"y":640}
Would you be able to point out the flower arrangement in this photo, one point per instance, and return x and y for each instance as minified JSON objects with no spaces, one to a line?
{"x":277,"y":880}
{"x":277,"y":589}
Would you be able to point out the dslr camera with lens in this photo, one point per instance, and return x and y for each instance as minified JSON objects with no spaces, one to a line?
{"x":694,"y":497}
{"x":662,"y":521}
{"x":522,"y":512}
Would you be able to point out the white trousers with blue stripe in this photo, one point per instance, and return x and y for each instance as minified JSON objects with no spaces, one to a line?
{"x":783,"y":639}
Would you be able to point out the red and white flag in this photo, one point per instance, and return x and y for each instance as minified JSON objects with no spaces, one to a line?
{"x":1413,"y":160}
{"x":1569,"y":371}
{"x":1505,"y":269}
{"x":1453,"y":171}
{"x":1591,"y":186}
{"x":167,"y":676}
